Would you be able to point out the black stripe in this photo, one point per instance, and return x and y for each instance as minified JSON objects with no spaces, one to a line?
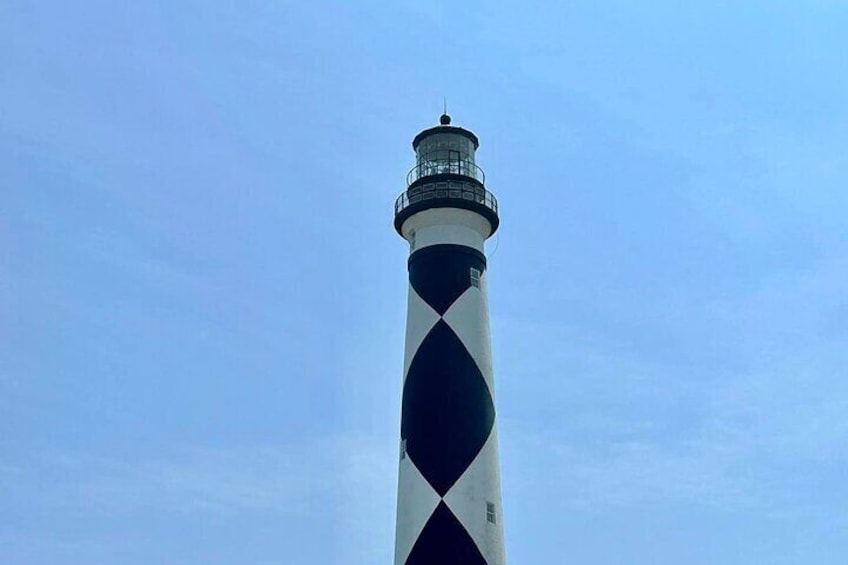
{"x":441,"y":273}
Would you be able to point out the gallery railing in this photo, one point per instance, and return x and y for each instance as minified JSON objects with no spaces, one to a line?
{"x":467,"y":191}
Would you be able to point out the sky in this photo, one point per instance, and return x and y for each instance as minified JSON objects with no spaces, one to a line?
{"x":202,"y":298}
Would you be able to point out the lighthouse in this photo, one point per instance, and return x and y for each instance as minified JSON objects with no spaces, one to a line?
{"x":449,"y":495}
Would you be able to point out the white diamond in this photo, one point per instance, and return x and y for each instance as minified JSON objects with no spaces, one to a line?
{"x":468,"y":499}
{"x":469,"y":319}
{"x":420,"y":320}
{"x":416,"y":502}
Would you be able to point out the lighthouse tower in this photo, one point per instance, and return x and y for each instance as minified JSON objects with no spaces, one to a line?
{"x":449,"y":494}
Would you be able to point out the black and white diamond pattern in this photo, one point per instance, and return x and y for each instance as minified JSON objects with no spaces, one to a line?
{"x":448,"y":411}
{"x":449,"y":470}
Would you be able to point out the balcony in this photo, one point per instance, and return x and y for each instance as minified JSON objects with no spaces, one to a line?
{"x":447,"y":190}
{"x":453,"y":193}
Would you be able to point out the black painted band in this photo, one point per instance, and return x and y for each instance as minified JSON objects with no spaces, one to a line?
{"x":446,"y":129}
{"x":444,"y":249}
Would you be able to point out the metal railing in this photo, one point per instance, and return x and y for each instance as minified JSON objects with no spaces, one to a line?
{"x":439,"y":167}
{"x":467,"y":191}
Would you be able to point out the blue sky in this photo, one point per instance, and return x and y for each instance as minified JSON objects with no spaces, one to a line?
{"x":202,"y":298}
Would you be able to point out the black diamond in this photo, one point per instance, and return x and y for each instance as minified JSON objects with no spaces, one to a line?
{"x":444,"y":541}
{"x":447,"y":408}
{"x":441,"y":273}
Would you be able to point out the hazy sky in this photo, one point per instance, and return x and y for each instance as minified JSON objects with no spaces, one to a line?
{"x":202,"y":298}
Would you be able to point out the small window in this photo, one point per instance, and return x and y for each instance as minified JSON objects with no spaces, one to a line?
{"x":412,"y":239}
{"x":490,"y":513}
{"x":475,"y":277}
{"x":403,"y":449}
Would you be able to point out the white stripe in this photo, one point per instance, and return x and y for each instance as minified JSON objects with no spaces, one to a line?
{"x":447,"y":225}
{"x":467,"y":499}
{"x":420,"y":319}
{"x":468,"y":317}
{"x":416,"y":502}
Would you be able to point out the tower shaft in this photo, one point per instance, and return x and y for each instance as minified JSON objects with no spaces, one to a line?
{"x":449,"y":494}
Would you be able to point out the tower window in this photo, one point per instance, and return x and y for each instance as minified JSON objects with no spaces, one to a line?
{"x":490,"y":513}
{"x":412,"y":239}
{"x":403,"y":448}
{"x":475,"y":277}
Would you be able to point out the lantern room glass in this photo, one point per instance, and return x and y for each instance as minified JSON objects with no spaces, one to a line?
{"x":446,"y":153}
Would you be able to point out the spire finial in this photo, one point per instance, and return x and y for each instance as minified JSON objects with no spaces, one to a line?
{"x":445,"y":119}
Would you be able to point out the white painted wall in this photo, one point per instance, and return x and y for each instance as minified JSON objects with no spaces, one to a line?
{"x":447,"y":225}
